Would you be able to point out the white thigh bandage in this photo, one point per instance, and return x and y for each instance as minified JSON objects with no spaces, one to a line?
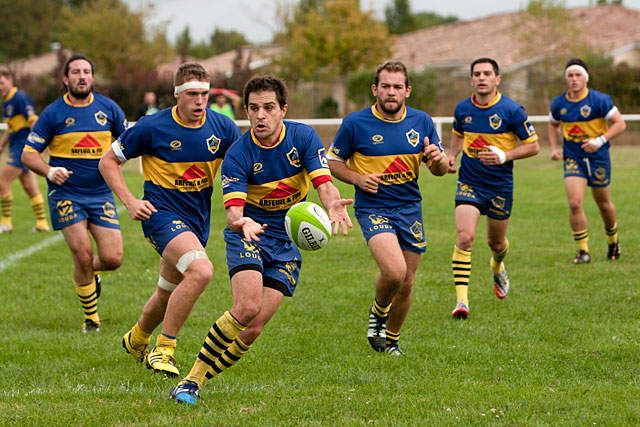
{"x":166,"y":285}
{"x":185,"y":260}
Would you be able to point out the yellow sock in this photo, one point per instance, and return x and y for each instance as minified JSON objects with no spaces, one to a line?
{"x":612,"y":233}
{"x":221,"y":349}
{"x":6,"y":200}
{"x":496,"y":259}
{"x":582,"y":239}
{"x":37,"y":205}
{"x":88,"y":300}
{"x":165,"y":340}
{"x":461,"y":265}
{"x":379,"y":310}
{"x":138,"y":337}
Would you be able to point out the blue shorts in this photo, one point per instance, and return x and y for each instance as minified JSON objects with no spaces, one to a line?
{"x":15,"y":155}
{"x":596,"y":170}
{"x":278,"y":260}
{"x":405,"y":222}
{"x":489,"y":202}
{"x":66,"y":210}
{"x":162,"y":227}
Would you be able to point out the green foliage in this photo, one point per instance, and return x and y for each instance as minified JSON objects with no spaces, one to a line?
{"x":400,"y":19}
{"x":423,"y":84}
{"x":562,"y":349}
{"x":224,"y":41}
{"x":328,"y":108}
{"x":337,"y":40}
{"x":619,"y":81}
{"x":26,"y":27}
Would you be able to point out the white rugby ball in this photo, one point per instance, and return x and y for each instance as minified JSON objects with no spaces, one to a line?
{"x":308,"y":226}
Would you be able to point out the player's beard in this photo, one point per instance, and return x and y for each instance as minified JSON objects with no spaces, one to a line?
{"x":390,"y":111}
{"x":81,"y":94}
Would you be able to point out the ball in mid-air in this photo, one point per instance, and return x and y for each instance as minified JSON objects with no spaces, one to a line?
{"x":308,"y":226}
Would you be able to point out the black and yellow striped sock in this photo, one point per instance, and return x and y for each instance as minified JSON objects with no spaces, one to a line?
{"x":37,"y":205}
{"x":461,"y":265}
{"x":88,"y":300}
{"x":496,"y":259}
{"x":380,"y":310}
{"x":582,"y":239}
{"x":612,"y":233}
{"x":392,"y":338}
{"x":6,"y":200}
{"x":220,"y":350}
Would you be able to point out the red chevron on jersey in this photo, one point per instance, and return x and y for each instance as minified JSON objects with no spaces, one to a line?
{"x":576,"y":130}
{"x":397,"y":166}
{"x":87,"y":142}
{"x":281,"y":191}
{"x":479,"y":142}
{"x":194,"y":172}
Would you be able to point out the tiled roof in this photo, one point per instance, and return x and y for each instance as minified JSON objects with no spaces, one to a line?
{"x":607,"y":28}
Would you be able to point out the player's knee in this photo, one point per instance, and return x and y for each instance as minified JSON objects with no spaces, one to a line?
{"x":465,"y":240}
{"x":200,"y":271}
{"x":575,"y":203}
{"x":247,"y":309}
{"x":83,"y":257}
{"x":396,"y":275}
{"x":111,"y":261}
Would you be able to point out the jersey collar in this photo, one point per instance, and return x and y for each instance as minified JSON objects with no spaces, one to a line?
{"x":280,"y":138}
{"x":68,"y":101}
{"x":491,"y":103}
{"x":586,"y":93}
{"x":174,"y":114}
{"x":11,"y":94}
{"x":377,"y":114}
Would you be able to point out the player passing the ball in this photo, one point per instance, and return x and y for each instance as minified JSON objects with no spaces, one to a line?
{"x":581,"y":115}
{"x":385,"y":145}
{"x":264,"y":173}
{"x":486,"y":128}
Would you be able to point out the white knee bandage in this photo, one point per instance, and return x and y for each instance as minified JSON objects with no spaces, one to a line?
{"x":185,"y":260}
{"x":166,"y":285}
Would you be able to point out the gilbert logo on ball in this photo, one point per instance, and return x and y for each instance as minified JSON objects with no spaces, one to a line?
{"x":308,"y":226}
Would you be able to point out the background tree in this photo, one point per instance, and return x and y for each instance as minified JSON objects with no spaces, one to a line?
{"x":400,"y":19}
{"x":332,"y":42}
{"x":26,"y":27}
{"x":116,"y":39}
{"x":223,"y":41}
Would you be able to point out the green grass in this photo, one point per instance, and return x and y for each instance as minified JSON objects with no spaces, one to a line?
{"x":562,"y":349}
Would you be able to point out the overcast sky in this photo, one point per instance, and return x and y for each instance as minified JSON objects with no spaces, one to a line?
{"x":255,"y":19}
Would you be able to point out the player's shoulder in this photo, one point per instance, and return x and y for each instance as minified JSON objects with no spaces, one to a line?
{"x":594,"y":94}
{"x":298,"y":128}
{"x":464,"y":103}
{"x":107,"y":102}
{"x":356,"y":116}
{"x":559,"y":99}
{"x":416,"y":113}
{"x":508,"y":103}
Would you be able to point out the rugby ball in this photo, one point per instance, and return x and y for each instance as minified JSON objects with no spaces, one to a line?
{"x":308,"y":226}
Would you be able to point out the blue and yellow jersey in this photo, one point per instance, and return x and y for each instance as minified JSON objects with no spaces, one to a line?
{"x":583,"y":118}
{"x":77,"y":136}
{"x":501,"y":123}
{"x":19,"y":114}
{"x":267,"y":181}
{"x":179,"y":162}
{"x":375,"y":145}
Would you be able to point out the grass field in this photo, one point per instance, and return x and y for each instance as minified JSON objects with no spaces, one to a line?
{"x":561,"y":349}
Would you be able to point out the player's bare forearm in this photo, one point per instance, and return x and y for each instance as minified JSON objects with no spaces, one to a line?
{"x":236,"y":221}
{"x":33,"y":161}
{"x":523,"y":151}
{"x":109,"y":167}
{"x":618,"y":125}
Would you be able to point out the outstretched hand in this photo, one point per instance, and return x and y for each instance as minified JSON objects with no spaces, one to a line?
{"x":250,"y":228}
{"x":339,"y":216}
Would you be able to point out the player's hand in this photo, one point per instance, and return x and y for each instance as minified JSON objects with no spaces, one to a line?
{"x":250,"y":228}
{"x":339,"y":216}
{"x":58,"y":175}
{"x":369,"y":183}
{"x":592,"y":145}
{"x":494,"y":156}
{"x":452,"y":163}
{"x":140,"y":210}
{"x":556,"y":154}
{"x":432,"y":153}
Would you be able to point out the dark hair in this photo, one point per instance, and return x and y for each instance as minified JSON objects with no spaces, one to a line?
{"x":577,"y":61}
{"x":4,"y":72}
{"x":190,"y":70}
{"x":392,"y":67}
{"x":266,"y":84}
{"x":493,"y":63}
{"x":76,"y":57}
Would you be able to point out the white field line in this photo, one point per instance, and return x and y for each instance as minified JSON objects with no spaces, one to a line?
{"x":25,"y":253}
